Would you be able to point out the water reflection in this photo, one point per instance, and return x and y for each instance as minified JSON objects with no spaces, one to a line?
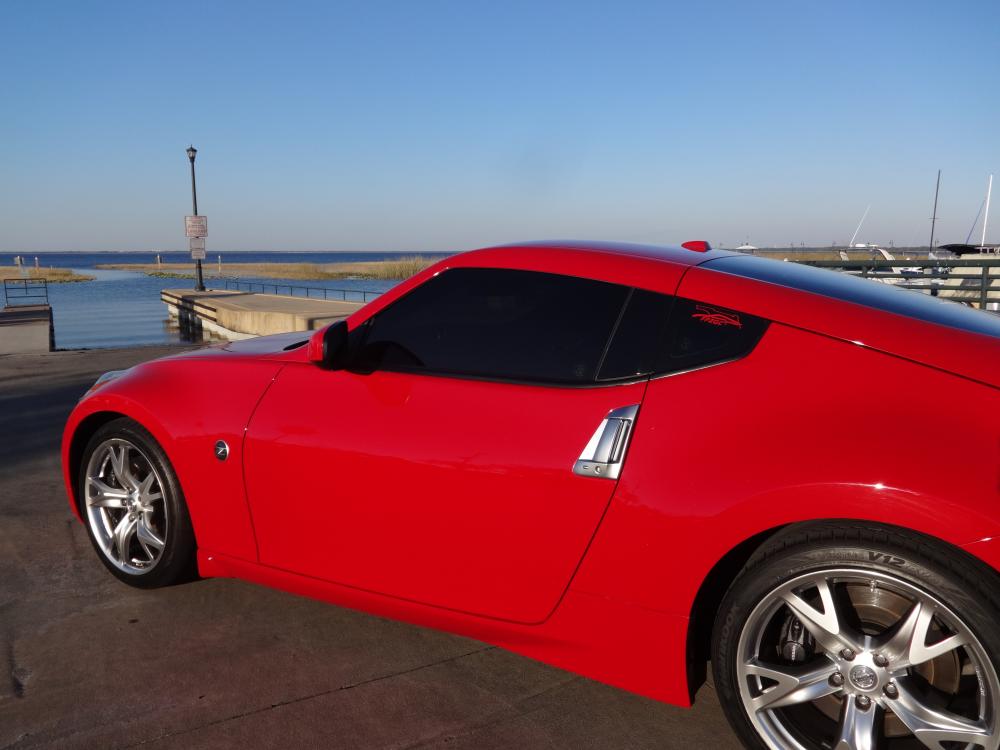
{"x":123,"y":308}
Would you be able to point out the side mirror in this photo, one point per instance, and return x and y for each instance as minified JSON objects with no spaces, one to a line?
{"x":328,"y":346}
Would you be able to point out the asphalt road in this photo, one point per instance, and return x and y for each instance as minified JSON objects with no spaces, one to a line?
{"x":92,"y":663}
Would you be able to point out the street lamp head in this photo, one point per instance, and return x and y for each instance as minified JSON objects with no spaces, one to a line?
{"x":192,"y":151}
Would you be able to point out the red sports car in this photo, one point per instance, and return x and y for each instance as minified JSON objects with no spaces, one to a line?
{"x":622,"y":460}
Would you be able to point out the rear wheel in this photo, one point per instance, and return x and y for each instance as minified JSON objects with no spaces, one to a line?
{"x":850,"y":637}
{"x":133,"y":507}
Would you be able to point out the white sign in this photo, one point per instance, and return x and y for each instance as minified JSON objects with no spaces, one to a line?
{"x":196,"y":226}
{"x":197,"y":247}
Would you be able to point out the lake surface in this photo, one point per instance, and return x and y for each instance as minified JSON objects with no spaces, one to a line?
{"x":123,"y":308}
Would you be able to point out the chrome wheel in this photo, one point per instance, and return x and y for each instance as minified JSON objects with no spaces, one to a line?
{"x":848,"y":659}
{"x":125,"y":507}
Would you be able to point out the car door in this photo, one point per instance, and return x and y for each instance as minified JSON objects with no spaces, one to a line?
{"x":466,"y":457}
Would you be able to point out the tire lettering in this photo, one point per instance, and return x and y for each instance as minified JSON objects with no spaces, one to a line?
{"x":886,"y":559}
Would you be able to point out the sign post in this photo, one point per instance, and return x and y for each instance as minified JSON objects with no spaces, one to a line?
{"x":196,"y":227}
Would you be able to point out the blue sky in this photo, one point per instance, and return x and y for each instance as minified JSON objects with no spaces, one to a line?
{"x":448,"y":125}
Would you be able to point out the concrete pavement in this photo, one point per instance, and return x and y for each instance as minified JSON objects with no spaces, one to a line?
{"x":91,"y":663}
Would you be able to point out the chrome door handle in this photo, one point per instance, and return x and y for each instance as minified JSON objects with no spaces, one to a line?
{"x":605,"y":453}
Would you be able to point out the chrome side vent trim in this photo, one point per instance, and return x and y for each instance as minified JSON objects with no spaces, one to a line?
{"x":605,"y":452}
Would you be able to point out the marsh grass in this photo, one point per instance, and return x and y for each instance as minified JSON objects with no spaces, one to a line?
{"x":51,"y":275}
{"x":402,"y":268}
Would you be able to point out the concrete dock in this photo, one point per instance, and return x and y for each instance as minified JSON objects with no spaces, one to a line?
{"x":91,"y":663}
{"x":26,"y":329}
{"x":236,"y":315}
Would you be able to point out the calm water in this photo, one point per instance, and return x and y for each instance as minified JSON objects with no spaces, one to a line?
{"x":121,"y":308}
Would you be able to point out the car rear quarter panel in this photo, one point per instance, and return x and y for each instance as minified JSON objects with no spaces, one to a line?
{"x":972,"y":355}
{"x":806,"y":427}
{"x":187,"y":404}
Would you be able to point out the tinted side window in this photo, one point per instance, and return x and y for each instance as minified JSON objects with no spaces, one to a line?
{"x":703,"y":334}
{"x":633,"y":350}
{"x":497,"y":323}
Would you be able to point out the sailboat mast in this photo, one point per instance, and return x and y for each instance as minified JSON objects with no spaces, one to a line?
{"x":855,"y":235}
{"x":986,"y":216}
{"x":937,"y":188}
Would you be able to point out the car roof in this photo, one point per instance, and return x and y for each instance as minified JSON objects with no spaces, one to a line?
{"x":658,"y":269}
{"x":916,"y":326}
{"x":666,"y":253}
{"x":767,"y":288}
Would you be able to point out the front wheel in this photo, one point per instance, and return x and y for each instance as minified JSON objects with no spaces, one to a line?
{"x":132,"y":505}
{"x":844,"y":636}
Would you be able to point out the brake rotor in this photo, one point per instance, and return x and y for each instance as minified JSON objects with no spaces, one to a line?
{"x":879,"y":609}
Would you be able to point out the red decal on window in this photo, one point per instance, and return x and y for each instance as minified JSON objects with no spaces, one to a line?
{"x":716,"y":317}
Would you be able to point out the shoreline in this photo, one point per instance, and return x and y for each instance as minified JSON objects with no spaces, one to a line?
{"x":396,"y":269}
{"x":381,"y":270}
{"x":50,"y":275}
{"x":376,"y":270}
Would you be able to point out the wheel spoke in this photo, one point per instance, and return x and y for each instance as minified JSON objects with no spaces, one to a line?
{"x":825,"y":626}
{"x":147,"y":536}
{"x":907,"y":645}
{"x":107,"y":496}
{"x":933,"y":727}
{"x":123,"y":536}
{"x":858,"y":729}
{"x":145,"y":486}
{"x":120,"y":465}
{"x":797,"y":683}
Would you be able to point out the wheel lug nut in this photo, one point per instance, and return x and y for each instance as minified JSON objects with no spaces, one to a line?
{"x":880,"y":660}
{"x":836,"y":679}
{"x":847,"y":654}
{"x":863,"y":702}
{"x":891,"y":691}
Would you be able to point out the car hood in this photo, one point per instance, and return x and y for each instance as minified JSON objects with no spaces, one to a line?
{"x":290,"y":346}
{"x":279,"y":342}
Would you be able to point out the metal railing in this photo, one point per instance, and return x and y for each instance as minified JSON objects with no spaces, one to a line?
{"x":18,"y":292}
{"x":969,"y":280}
{"x":309,"y":292}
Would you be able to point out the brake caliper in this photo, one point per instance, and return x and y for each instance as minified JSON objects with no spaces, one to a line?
{"x":797,"y":644}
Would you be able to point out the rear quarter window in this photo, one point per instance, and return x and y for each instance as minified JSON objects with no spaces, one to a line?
{"x":703,"y":334}
{"x":659,"y":334}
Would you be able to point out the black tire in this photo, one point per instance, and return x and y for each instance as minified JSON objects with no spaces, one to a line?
{"x":175,"y":561}
{"x":947,"y":575}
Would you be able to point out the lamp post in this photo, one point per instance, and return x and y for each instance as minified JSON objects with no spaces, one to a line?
{"x":192,"y":152}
